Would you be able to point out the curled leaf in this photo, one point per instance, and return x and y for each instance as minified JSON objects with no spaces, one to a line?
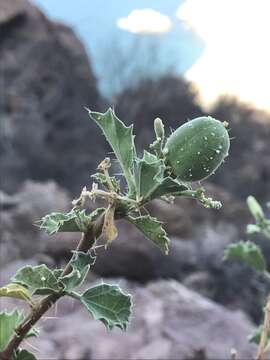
{"x":153,"y":230}
{"x":109,"y":229}
{"x":16,"y":291}
{"x":247,"y":252}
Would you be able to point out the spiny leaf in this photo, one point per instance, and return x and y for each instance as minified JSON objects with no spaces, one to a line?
{"x":38,"y":279}
{"x":16,"y":291}
{"x":148,"y":174}
{"x":168,"y":186}
{"x":109,"y":304}
{"x":9,"y":321}
{"x":150,"y":183}
{"x":81,"y":263}
{"x":121,"y":140}
{"x":247,"y":252}
{"x":153,"y":230}
{"x":74,"y":221}
{"x":24,"y":355}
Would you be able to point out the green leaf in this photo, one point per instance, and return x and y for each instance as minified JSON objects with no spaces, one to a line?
{"x":153,"y":230}
{"x":247,"y":252}
{"x":148,"y":175}
{"x":256,"y":336}
{"x":24,"y":355}
{"x":8,"y":323}
{"x":57,"y":273}
{"x":255,"y":208}
{"x":121,"y":139}
{"x":74,"y":221}
{"x":16,"y":291}
{"x":150,"y":181}
{"x":253,"y":229}
{"x":38,"y":279}
{"x":108,"y":304}
{"x":168,"y":186}
{"x":80,"y":263}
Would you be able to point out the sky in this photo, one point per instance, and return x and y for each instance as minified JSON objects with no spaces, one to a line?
{"x":221,"y":45}
{"x":97,"y":24}
{"x":236,"y":58}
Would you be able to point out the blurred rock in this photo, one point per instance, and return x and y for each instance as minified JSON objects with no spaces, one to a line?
{"x":201,"y":282}
{"x":169,"y":322}
{"x":170,"y":98}
{"x":47,"y":80}
{"x":198,"y":239}
{"x":19,"y":237}
{"x":247,"y":169}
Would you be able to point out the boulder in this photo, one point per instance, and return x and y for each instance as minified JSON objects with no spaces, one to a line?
{"x":47,"y":80}
{"x":169,"y":321}
{"x":171,"y":98}
{"x":19,"y":237}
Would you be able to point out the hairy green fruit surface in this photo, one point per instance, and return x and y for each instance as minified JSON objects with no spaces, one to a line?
{"x":197,"y":148}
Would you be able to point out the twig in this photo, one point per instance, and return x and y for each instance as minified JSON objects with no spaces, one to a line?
{"x":263,"y":347}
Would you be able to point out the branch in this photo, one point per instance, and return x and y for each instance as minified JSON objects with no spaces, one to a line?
{"x":87,"y":241}
{"x":263,"y":349}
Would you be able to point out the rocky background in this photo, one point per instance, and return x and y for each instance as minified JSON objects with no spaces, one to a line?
{"x":189,"y":304}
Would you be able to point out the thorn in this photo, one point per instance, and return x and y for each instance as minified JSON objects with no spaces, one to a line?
{"x":32,"y":346}
{"x":50,"y":317}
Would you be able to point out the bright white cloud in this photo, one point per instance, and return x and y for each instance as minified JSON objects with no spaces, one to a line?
{"x":237,"y":55}
{"x":145,"y":21}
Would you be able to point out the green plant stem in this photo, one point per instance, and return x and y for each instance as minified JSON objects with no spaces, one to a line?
{"x":75,"y":295}
{"x":87,"y":241}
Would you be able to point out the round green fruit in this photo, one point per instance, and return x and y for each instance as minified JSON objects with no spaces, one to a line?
{"x":197,"y":148}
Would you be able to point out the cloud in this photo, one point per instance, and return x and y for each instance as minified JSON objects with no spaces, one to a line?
{"x":236,"y":59}
{"x":145,"y":21}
